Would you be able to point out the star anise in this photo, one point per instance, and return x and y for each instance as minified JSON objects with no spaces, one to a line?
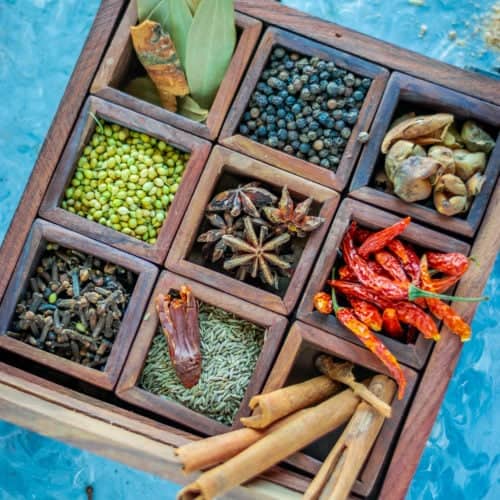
{"x":249,"y":197}
{"x":291,"y":218}
{"x":215,"y":247}
{"x":254,"y":254}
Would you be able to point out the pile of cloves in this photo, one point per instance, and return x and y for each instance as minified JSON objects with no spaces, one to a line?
{"x":73,"y":306}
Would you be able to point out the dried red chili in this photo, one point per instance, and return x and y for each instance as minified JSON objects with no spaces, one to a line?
{"x":361,"y":234}
{"x":411,"y":314}
{"x":359,"y":291}
{"x":440,"y":285}
{"x":347,"y":317}
{"x":409,"y":259}
{"x":390,"y":323}
{"x":453,"y":263}
{"x":377,"y":241}
{"x":442,"y":310}
{"x":391,"y":265}
{"x":367,"y":313}
{"x":345,"y":273}
{"x":323,"y":303}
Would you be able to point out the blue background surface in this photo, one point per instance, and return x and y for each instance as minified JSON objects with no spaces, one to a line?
{"x":39,"y":44}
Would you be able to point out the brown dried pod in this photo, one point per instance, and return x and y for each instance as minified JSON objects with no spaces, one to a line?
{"x":398,"y":153}
{"x":467,"y":163}
{"x":423,"y":130}
{"x":412,"y":179}
{"x":158,"y":55}
{"x":475,"y":138}
{"x":179,"y":323}
{"x":450,"y":195}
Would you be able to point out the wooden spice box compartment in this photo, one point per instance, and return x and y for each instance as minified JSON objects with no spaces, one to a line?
{"x":413,"y":92}
{"x":117,"y":427}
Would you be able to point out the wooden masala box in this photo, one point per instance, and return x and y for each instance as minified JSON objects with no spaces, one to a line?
{"x":131,"y":425}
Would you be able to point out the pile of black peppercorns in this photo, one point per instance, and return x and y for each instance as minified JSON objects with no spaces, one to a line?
{"x":304,"y":106}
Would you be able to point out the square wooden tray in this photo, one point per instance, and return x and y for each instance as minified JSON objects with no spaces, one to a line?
{"x":120,"y":58}
{"x":338,"y":179}
{"x":43,"y":232}
{"x":128,"y":389}
{"x":223,"y":160}
{"x":434,"y":98}
{"x":295,"y":364}
{"x":51,"y":210}
{"x":414,"y":355}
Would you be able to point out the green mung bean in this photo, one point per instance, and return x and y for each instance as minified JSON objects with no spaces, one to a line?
{"x":117,"y":168}
{"x":230,"y":347}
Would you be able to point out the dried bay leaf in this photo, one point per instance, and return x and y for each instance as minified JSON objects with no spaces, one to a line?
{"x":210,"y":46}
{"x":189,"y":108}
{"x":143,"y":88}
{"x":179,"y":20}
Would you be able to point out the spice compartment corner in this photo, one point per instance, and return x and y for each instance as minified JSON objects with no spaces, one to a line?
{"x":129,"y":390}
{"x":369,"y":217}
{"x":120,"y":61}
{"x":273,"y":36}
{"x":185,"y":259}
{"x":43,"y":232}
{"x":96,"y":108}
{"x":407,"y":90}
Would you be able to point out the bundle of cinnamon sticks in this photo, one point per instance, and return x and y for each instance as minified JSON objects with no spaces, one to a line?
{"x":289,"y":419}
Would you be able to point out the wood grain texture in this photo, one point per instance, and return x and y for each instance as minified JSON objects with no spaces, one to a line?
{"x":409,"y":90}
{"x":338,"y":179}
{"x":119,"y":59}
{"x":414,"y":355}
{"x":198,"y":149}
{"x":386,"y":54}
{"x":145,"y":272}
{"x":302,"y":336}
{"x":442,"y":363}
{"x":128,"y":388}
{"x":223,"y":160}
{"x":56,"y":138}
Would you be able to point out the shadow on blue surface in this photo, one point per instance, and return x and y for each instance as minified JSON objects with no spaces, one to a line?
{"x":37,"y":52}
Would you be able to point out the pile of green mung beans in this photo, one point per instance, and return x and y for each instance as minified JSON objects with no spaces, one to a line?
{"x":230,"y":347}
{"x":125,"y":180}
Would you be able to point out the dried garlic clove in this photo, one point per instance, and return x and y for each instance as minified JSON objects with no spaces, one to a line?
{"x":475,"y":138}
{"x":428,"y":129}
{"x":475,"y":184}
{"x":411,"y":180}
{"x":467,"y":163}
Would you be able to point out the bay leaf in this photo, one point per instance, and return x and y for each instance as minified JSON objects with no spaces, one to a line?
{"x":143,"y":88}
{"x":193,"y":5}
{"x":210,"y":46}
{"x":189,"y":108}
{"x":179,"y":20}
{"x":155,"y":10}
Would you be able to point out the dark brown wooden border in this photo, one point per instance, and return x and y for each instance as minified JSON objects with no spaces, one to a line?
{"x":50,"y":208}
{"x":128,"y":390}
{"x":338,"y":179}
{"x":224,"y":160}
{"x":146,"y":273}
{"x":301,"y":335}
{"x":414,"y":355}
{"x":117,"y":61}
{"x":62,"y":124}
{"x":403,"y":88}
{"x":372,"y":49}
{"x":442,"y":363}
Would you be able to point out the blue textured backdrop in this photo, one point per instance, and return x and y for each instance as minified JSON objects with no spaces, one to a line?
{"x":39,"y":44}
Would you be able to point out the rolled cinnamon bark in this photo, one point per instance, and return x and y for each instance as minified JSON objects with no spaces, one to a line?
{"x":341,"y":467}
{"x":270,"y":407}
{"x":200,"y":455}
{"x":314,"y":423}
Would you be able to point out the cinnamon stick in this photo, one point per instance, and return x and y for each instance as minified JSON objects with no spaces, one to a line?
{"x":340,"y":469}
{"x":270,"y":407}
{"x":342,"y":372}
{"x":314,"y":423}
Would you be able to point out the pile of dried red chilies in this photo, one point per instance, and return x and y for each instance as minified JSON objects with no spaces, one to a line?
{"x":387,"y":285}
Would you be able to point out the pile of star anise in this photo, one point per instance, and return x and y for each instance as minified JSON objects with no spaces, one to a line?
{"x":251,"y":231}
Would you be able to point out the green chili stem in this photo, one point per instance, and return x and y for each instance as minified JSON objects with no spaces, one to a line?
{"x":415,"y":292}
{"x":99,"y":124}
{"x":335,"y":304}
